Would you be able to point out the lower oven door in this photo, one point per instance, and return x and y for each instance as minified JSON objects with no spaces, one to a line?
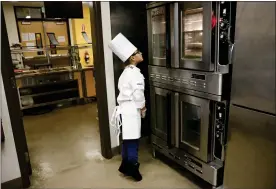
{"x":160,"y":115}
{"x":194,"y":126}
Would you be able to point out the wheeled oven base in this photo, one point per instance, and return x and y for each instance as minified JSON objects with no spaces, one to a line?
{"x":211,"y":172}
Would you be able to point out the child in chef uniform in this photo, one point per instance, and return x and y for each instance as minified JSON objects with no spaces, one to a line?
{"x":131,"y":102}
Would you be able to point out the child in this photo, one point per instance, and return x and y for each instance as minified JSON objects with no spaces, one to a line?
{"x":131,"y":102}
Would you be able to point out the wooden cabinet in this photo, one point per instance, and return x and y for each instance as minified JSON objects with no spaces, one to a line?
{"x":78,"y":76}
{"x":90,"y":83}
{"x":86,"y":83}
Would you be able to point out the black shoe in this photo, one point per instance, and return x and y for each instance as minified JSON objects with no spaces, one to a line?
{"x":134,"y":171}
{"x":124,"y":167}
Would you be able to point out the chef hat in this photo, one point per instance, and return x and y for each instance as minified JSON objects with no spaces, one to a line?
{"x":122,"y":47}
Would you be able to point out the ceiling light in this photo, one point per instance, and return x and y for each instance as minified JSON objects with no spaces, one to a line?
{"x":28,"y":16}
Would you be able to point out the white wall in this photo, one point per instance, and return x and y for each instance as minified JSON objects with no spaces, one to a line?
{"x":10,"y":166}
{"x":109,"y":70}
{"x":10,"y":22}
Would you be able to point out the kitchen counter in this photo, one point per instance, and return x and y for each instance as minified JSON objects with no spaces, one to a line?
{"x":33,"y":73}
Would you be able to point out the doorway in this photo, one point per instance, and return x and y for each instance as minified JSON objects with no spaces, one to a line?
{"x":53,"y":140}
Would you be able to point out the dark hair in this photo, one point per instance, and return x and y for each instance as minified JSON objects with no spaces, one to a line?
{"x":127,"y":62}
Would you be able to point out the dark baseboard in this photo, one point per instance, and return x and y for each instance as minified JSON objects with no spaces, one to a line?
{"x":12,"y":184}
{"x":144,"y":140}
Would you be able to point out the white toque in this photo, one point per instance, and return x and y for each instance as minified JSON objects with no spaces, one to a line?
{"x":122,"y":47}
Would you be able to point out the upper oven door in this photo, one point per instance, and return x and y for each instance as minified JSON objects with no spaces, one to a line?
{"x":158,"y":35}
{"x":196,"y":20}
{"x":194,"y":126}
{"x":161,"y":114}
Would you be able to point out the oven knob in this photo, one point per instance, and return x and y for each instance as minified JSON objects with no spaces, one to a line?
{"x":224,"y":12}
{"x":224,"y":25}
{"x":222,"y":36}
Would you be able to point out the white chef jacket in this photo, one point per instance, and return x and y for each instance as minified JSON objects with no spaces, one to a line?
{"x":131,"y":99}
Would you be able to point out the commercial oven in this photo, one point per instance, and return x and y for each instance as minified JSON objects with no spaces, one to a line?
{"x":160,"y":116}
{"x":190,"y":55}
{"x":190,"y":123}
{"x":201,"y":127}
{"x":191,"y":35}
{"x":158,"y":34}
{"x":189,"y":118}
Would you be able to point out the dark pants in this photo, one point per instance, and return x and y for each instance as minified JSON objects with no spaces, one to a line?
{"x":130,"y":150}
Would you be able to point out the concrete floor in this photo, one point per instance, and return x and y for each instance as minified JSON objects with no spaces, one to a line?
{"x":64,"y":148}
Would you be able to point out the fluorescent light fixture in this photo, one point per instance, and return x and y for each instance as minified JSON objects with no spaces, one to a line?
{"x":28,"y":16}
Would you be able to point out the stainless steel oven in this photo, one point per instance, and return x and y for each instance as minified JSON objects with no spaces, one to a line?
{"x":200,"y":129}
{"x":158,"y":34}
{"x":194,"y":125}
{"x":160,"y":116}
{"x":189,"y":116}
{"x":191,"y":35}
{"x":205,"y":35}
{"x":184,"y":111}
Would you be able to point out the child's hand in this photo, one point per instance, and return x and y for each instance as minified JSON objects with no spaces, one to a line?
{"x":144,"y":108}
{"x":143,"y":112}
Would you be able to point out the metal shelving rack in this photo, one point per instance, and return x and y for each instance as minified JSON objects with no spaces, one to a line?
{"x":65,"y":88}
{"x":73,"y":53}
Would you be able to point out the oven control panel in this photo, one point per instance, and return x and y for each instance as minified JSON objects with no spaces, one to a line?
{"x":226,"y":26}
{"x":178,"y":81}
{"x":207,"y":82}
{"x":219,"y":130}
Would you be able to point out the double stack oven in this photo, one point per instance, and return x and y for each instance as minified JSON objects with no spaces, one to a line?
{"x":190,"y":52}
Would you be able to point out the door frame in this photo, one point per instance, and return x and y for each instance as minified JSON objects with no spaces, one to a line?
{"x":13,"y":98}
{"x":15,"y":113}
{"x":100,"y":77}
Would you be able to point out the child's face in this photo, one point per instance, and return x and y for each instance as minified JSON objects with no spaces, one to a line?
{"x":137,"y":58}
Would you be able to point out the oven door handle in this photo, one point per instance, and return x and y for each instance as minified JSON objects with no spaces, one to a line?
{"x":168,"y":37}
{"x":221,"y":142}
{"x":169,"y":134}
{"x":176,"y":121}
{"x":181,"y":34}
{"x":230,"y":52}
{"x":231,"y":46}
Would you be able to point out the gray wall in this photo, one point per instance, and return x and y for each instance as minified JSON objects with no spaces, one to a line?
{"x":130,"y":19}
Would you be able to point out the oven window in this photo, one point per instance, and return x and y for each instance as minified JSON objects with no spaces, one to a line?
{"x":192,"y":31}
{"x":161,"y":113}
{"x":158,"y":33}
{"x":190,"y":126}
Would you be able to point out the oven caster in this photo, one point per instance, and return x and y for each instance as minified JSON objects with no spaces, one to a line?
{"x":153,"y":153}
